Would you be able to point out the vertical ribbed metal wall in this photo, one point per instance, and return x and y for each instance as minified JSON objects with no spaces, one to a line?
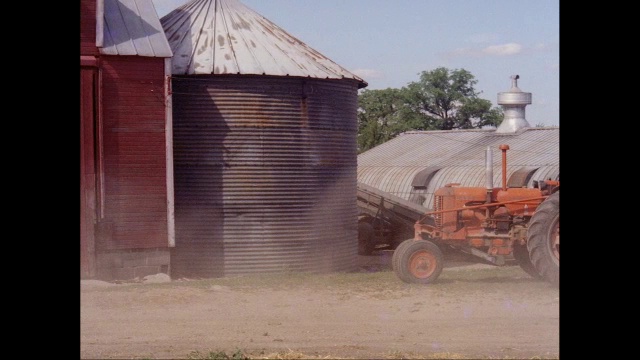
{"x":265,"y":175}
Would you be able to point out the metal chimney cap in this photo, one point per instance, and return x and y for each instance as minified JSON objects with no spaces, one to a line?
{"x":514,"y":83}
{"x":513,"y":103}
{"x":514,"y":96}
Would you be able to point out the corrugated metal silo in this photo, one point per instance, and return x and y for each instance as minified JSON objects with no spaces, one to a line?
{"x":264,"y":154}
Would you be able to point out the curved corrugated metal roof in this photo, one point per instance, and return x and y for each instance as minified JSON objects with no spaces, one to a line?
{"x":132,"y":27}
{"x":460,"y":155}
{"x":227,"y":37}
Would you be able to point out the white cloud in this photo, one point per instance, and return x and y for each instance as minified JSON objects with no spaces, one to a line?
{"x":503,"y":50}
{"x":493,"y":50}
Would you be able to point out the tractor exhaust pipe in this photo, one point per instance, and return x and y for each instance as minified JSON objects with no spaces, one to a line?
{"x":489,"y":172}
{"x":504,"y":149}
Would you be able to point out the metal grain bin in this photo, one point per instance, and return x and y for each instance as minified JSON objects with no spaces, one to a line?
{"x":265,"y":174}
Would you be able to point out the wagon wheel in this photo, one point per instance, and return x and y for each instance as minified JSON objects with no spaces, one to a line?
{"x":418,"y":261}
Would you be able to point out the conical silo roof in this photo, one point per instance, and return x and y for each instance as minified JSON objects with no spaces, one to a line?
{"x":226,"y":37}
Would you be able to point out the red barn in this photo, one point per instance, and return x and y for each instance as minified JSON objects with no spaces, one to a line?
{"x":126,"y":160}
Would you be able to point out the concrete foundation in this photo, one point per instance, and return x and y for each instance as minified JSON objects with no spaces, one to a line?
{"x":132,"y":263}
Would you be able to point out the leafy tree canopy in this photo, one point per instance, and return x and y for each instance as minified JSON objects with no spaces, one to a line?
{"x":442,"y":99}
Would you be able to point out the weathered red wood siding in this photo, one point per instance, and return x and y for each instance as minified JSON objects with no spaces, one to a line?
{"x":88,"y":112}
{"x":134,"y":147}
{"x":88,"y":27}
{"x":87,"y":172}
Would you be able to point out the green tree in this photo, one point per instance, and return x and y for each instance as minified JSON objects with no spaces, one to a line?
{"x":381,"y":116}
{"x":442,"y":99}
{"x":446,"y":99}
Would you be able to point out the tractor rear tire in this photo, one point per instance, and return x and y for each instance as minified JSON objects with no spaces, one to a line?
{"x":521,"y":255}
{"x":418,"y":261}
{"x":543,"y":239}
{"x":365,"y":238}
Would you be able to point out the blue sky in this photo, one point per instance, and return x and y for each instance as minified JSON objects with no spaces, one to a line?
{"x":390,"y":42}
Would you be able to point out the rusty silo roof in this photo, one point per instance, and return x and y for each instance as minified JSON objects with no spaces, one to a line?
{"x":132,"y":27}
{"x":227,"y":37}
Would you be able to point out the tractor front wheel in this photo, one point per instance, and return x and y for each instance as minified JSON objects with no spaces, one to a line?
{"x":417,"y":261}
{"x":544,"y":239}
{"x":399,"y":250}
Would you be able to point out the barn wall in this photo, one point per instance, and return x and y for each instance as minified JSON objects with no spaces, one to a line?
{"x":88,"y":81}
{"x":123,"y":190}
{"x":88,"y":27}
{"x":88,"y":115}
{"x":132,"y":236}
{"x":134,"y":148}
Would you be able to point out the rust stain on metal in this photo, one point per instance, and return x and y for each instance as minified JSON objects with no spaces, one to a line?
{"x":241,"y":24}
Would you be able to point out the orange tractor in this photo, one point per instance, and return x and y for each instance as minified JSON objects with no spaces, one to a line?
{"x":492,"y":223}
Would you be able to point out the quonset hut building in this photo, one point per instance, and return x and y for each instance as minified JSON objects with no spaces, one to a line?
{"x":413,"y":165}
{"x":264,"y":144}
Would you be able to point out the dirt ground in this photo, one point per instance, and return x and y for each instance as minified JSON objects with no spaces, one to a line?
{"x":473,"y":311}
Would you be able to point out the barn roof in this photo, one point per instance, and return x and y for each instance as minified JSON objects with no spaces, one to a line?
{"x":227,"y":37}
{"x":420,"y":162}
{"x":132,"y":27}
